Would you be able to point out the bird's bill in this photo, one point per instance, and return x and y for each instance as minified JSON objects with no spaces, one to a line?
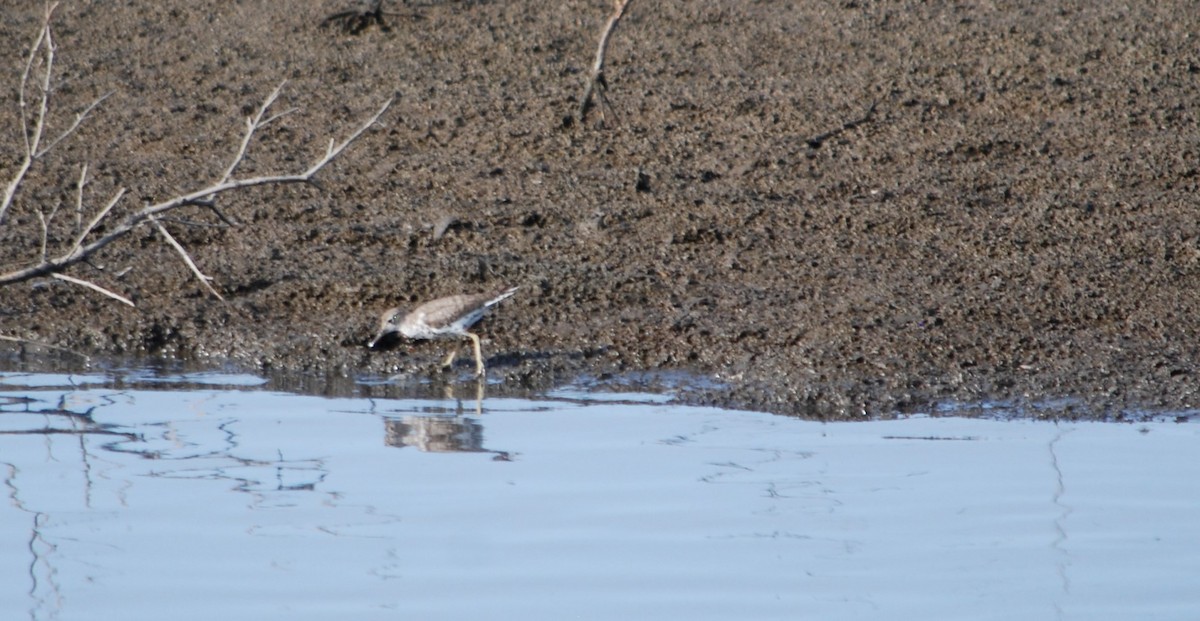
{"x":384,"y":330}
{"x":385,"y":326}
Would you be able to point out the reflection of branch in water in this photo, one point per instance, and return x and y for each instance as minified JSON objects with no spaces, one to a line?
{"x":1060,"y":490}
{"x":313,"y":471}
{"x":286,"y":475}
{"x":81,"y":424}
{"x":39,"y":548}
{"x":285,"y":467}
{"x":62,"y":420}
{"x":50,"y":431}
{"x":84,"y":454}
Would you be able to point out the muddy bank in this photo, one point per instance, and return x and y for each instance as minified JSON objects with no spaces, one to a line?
{"x":829,"y":210}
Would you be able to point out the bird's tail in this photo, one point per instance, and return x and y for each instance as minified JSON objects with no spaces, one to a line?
{"x":500,"y":297}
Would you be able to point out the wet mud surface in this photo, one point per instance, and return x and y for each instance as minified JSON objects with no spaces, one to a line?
{"x":827,"y":209}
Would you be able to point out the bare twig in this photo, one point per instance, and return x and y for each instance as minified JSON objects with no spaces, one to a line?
{"x":79,"y":199}
{"x":33,"y":136}
{"x":44,"y":220}
{"x":39,"y":66}
{"x":96,"y":220}
{"x":15,"y":339}
{"x":253,"y":124}
{"x":79,"y":119}
{"x":201,"y":276}
{"x":93,"y":286}
{"x":80,"y":251}
{"x":597,"y":83}
{"x":355,"y":21}
{"x":31,"y":139}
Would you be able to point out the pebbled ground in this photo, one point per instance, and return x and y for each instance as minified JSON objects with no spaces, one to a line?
{"x":829,"y":209}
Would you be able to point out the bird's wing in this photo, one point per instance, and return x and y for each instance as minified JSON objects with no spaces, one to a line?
{"x":444,"y":311}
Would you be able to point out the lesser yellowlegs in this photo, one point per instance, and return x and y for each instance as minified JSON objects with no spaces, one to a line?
{"x":443,"y":318}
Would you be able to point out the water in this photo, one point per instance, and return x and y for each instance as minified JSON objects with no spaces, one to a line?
{"x":202,"y":497}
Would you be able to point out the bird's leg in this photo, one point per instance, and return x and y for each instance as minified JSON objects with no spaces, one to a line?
{"x":450,"y":359}
{"x":479,"y":384}
{"x":478,"y":354}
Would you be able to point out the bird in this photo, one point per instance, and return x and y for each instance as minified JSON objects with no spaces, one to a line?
{"x":443,"y":318}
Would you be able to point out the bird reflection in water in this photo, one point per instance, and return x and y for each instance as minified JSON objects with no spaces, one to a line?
{"x":439,"y":433}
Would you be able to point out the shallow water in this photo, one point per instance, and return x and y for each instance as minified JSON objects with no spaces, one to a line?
{"x":202,"y":497}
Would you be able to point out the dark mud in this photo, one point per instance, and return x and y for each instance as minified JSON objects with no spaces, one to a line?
{"x":828,"y":209}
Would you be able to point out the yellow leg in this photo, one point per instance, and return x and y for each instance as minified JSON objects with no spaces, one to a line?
{"x":450,"y":359}
{"x":478,"y":354}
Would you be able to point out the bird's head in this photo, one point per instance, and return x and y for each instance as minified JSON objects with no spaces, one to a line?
{"x":388,"y":325}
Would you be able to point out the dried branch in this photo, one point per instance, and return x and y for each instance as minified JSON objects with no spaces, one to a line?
{"x":39,"y":65}
{"x":80,"y":251}
{"x":44,"y":42}
{"x":597,"y":83}
{"x":79,"y":198}
{"x":91,"y":225}
{"x":355,"y":21}
{"x":15,"y":339}
{"x":44,"y":220}
{"x":32,"y":141}
{"x":201,"y":276}
{"x":93,"y":286}
{"x":252,"y":125}
{"x":79,"y":119}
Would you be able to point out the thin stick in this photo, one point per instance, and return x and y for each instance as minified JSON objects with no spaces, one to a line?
{"x":79,"y":198}
{"x":47,"y":40}
{"x":33,"y":49}
{"x":203,"y":278}
{"x":93,"y":286}
{"x":14,"y":339}
{"x":355,"y":21}
{"x":33,"y":138}
{"x":597,"y":83}
{"x":80,"y":117}
{"x":45,"y":222}
{"x":253,"y":124}
{"x":96,"y":220}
